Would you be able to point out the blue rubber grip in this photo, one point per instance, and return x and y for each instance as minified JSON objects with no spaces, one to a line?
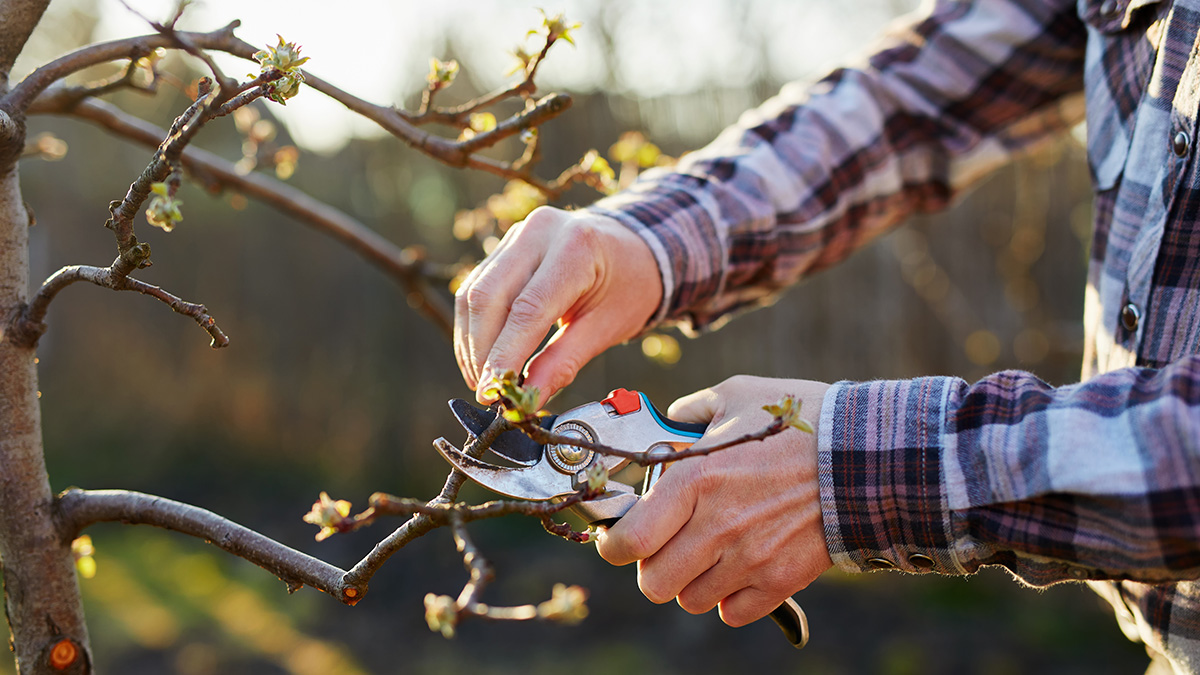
{"x":692,"y":429}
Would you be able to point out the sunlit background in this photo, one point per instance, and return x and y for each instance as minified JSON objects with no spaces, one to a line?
{"x":333,"y":383}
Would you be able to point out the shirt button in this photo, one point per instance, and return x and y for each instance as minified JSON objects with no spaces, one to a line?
{"x":1130,"y":316}
{"x":881,"y":563}
{"x":1180,"y":143}
{"x":1109,"y":9}
{"x":921,"y":561}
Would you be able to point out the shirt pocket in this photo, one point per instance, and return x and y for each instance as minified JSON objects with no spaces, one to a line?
{"x":1122,"y":40}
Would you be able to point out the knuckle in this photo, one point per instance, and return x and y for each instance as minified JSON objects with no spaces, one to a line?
{"x":637,"y":545}
{"x":735,"y":383}
{"x":527,"y":307}
{"x":584,"y":234}
{"x":476,"y":296}
{"x":542,"y":217}
{"x":705,"y":476}
{"x":565,"y":370}
{"x":564,"y":377}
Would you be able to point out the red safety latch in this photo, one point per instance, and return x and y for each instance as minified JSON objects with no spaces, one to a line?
{"x":623,"y":401}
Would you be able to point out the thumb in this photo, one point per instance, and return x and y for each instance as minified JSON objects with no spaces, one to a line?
{"x":701,"y":407}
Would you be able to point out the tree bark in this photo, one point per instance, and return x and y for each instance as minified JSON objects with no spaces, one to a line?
{"x":19,"y":17}
{"x":41,"y":592}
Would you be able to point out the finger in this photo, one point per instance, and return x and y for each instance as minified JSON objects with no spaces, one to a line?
{"x":686,"y":557}
{"x":572,"y":347}
{"x":747,"y":606}
{"x":712,"y":586}
{"x":486,"y":305}
{"x":700,"y":407}
{"x":475,"y":291}
{"x":550,"y":293}
{"x":652,"y":521}
{"x":462,"y":328}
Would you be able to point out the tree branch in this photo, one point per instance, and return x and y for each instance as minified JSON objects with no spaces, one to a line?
{"x":443,"y":513}
{"x":420,"y":523}
{"x":458,"y":154}
{"x":566,"y":604}
{"x":217,"y":173}
{"x":77,"y":509}
{"x":20,"y":18}
{"x":134,"y":48}
{"x":28,"y":326}
{"x":130,"y":254}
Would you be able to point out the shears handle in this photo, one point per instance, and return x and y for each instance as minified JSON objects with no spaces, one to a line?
{"x":788,"y":616}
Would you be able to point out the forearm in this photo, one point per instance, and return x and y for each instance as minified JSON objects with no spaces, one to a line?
{"x":1099,"y":480}
{"x":818,"y":171}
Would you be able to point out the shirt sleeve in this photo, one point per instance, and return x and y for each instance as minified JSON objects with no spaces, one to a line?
{"x":1098,"y":480}
{"x":820,"y":170}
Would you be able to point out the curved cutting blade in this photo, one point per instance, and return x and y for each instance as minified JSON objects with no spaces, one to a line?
{"x":511,"y":445}
{"x":537,"y":483}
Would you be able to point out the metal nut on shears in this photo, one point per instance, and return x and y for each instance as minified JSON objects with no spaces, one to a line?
{"x":569,"y":459}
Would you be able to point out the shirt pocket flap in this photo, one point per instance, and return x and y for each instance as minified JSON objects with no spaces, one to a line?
{"x":1111,"y":16}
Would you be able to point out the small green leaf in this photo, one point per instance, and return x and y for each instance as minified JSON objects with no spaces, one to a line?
{"x":481,"y":122}
{"x":441,"y":73}
{"x":286,"y":58}
{"x":441,"y":613}
{"x":83,"y":551}
{"x":555,"y":27}
{"x":592,"y":162}
{"x":787,"y":411}
{"x":162,"y":209}
{"x":518,"y":200}
{"x":329,"y":515}
{"x":597,"y":476}
{"x":521,"y":59}
{"x":520,"y":403}
{"x":567,"y":604}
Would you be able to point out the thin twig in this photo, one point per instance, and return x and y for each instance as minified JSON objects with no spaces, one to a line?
{"x":420,"y":523}
{"x":30,"y":324}
{"x":131,"y":255}
{"x":480,"y":570}
{"x":225,"y":85}
{"x":549,"y":107}
{"x":382,"y":504}
{"x":19,"y":98}
{"x":566,"y":604}
{"x":217,"y":173}
{"x":77,"y":509}
{"x":646,"y":457}
{"x":394,"y":121}
{"x":459,"y":116}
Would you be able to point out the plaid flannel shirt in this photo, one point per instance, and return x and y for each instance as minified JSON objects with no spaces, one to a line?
{"x":1096,"y":481}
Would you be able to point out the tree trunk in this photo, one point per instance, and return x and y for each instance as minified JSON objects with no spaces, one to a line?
{"x":41,"y":592}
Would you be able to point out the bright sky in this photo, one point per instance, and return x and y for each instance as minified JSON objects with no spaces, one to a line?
{"x":380,"y":49}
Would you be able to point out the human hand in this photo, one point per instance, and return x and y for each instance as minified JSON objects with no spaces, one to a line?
{"x":589,"y":273}
{"x":739,"y":528}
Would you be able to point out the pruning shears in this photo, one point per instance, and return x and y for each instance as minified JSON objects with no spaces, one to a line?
{"x":625,"y":419}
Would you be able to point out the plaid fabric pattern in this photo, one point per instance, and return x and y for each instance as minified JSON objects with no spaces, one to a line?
{"x":1098,"y":481}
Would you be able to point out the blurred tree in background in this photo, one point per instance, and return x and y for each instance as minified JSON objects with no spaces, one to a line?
{"x":333,"y":383}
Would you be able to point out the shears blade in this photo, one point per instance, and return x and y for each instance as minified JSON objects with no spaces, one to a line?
{"x":534,"y":483}
{"x":512,"y":445}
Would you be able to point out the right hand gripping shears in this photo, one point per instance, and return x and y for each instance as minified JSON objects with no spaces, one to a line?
{"x":625,"y":419}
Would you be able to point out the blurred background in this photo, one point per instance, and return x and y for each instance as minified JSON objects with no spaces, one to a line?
{"x":333,"y":383}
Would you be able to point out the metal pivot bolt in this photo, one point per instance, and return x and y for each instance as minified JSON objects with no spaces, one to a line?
{"x":571,"y":458}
